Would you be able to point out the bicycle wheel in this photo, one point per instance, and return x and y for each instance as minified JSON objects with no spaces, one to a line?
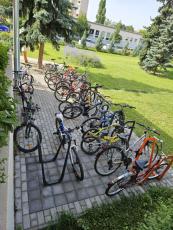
{"x":76,"y":164}
{"x":108,"y":161}
{"x":93,"y":122}
{"x":25,"y":137}
{"x":72,"y":112}
{"x":90,"y":145}
{"x":63,"y":105}
{"x":158,"y":171}
{"x":73,"y":97}
{"x":118,"y":185}
{"x":52,"y":81}
{"x":61,"y":92}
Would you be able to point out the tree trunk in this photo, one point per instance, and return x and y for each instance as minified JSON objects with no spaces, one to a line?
{"x":40,"y":56}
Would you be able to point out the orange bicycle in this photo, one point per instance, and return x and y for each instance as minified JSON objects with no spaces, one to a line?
{"x":114,"y":157}
{"x":139,"y":172}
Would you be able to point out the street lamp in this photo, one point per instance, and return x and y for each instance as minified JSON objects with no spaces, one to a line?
{"x":16,"y":41}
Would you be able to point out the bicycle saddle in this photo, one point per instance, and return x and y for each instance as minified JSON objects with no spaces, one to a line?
{"x":141,"y":164}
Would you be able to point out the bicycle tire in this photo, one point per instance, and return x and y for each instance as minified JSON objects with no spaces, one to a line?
{"x":93,"y":122}
{"x":61,"y":93}
{"x":157,"y":172}
{"x":62,"y":105}
{"x":109,"y":168}
{"x":88,"y":143}
{"x":72,"y":112}
{"x":52,"y":81}
{"x":119,"y":183}
{"x":78,"y":170}
{"x":17,"y":133}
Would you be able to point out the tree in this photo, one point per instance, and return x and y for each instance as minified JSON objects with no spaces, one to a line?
{"x":83,"y":39}
{"x":101,"y":14}
{"x":109,"y":22}
{"x":158,"y":41}
{"x":125,"y":50}
{"x":99,"y":42}
{"x":130,"y":29}
{"x":82,"y":25}
{"x":46,"y":20}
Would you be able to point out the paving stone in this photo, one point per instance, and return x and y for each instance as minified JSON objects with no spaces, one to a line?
{"x":78,"y":207}
{"x":48,"y":219}
{"x":82,"y":194}
{"x":34,"y":223}
{"x":47,"y":212}
{"x":17,"y":183}
{"x":34,"y":195}
{"x":71,"y":196}
{"x":100,"y":189}
{"x":18,"y":204}
{"x":88,"y":203}
{"x":47,"y":191}
{"x":34,"y":184}
{"x":25,"y":208}
{"x":24,"y":186}
{"x":65,"y":207}
{"x":18,"y":217}
{"x":60,"y":199}
{"x":91,"y":191}
{"x":35,"y":206}
{"x":58,"y":189}
{"x":53,"y":213}
{"x":23,"y":176}
{"x":68,"y":186}
{"x":26,"y":221}
{"x":40,"y":217}
{"x":48,"y":202}
{"x":24,"y":196}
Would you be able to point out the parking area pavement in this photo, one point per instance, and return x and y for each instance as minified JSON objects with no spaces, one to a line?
{"x":36,"y":204}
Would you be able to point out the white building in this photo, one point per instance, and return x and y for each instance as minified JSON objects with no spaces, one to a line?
{"x":133,"y":39}
{"x":80,"y":7}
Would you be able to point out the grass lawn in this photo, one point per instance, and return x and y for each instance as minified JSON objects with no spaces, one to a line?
{"x":126,"y":82}
{"x":150,"y":211}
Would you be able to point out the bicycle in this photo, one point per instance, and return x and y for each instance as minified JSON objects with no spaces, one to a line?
{"x":108,"y":161}
{"x":25,"y":135}
{"x":138,"y":173}
{"x":71,"y":153}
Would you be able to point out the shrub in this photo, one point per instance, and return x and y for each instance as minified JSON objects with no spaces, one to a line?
{"x":83,"y":57}
{"x":3,"y":56}
{"x":5,"y":38}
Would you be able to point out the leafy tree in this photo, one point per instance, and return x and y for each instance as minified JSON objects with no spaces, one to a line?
{"x":158,"y":42}
{"x":111,"y":46}
{"x":82,"y":25}
{"x":109,"y":22}
{"x":125,"y":50}
{"x":83,"y":39}
{"x":120,"y":26}
{"x":46,"y":20}
{"x":101,"y":15}
{"x":99,"y":42}
{"x":130,"y":29}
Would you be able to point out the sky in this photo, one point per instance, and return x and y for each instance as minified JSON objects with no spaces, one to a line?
{"x":131,"y":12}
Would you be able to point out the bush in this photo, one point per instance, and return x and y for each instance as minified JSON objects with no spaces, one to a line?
{"x":5,"y":38}
{"x":83,"y":57}
{"x":3,"y":56}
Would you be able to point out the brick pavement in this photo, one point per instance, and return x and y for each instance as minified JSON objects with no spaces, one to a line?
{"x":36,"y":205}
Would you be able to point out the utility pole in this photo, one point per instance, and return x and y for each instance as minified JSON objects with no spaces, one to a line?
{"x":16,"y":41}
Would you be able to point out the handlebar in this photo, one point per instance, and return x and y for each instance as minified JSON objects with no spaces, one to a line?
{"x":148,"y":128}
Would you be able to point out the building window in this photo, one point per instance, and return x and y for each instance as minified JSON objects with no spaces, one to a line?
{"x":136,"y":40}
{"x":77,"y":15}
{"x":131,"y":39}
{"x":79,"y":2}
{"x":91,"y":31}
{"x":126,"y":39}
{"x":97,"y":32}
{"x":108,"y":36}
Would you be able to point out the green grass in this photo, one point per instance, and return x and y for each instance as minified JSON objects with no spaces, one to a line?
{"x":126,"y":82}
{"x":150,"y":211}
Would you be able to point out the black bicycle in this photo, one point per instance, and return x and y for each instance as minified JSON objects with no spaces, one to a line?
{"x":66,"y":138}
{"x":25,"y":135}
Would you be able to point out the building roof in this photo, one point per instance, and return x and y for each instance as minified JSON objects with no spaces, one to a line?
{"x":111,"y":27}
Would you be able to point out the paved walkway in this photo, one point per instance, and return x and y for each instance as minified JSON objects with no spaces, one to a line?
{"x":36,"y":205}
